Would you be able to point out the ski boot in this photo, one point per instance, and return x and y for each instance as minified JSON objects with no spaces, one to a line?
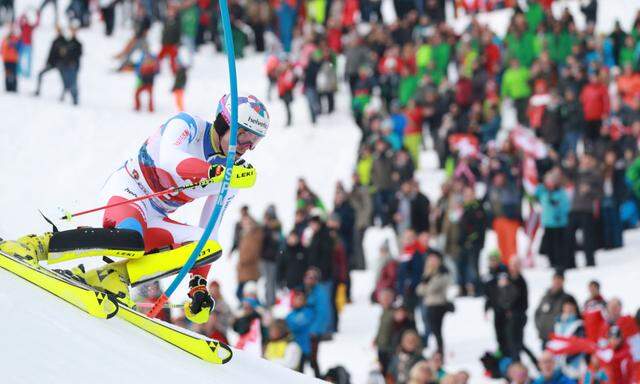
{"x":111,"y":278}
{"x":30,"y":248}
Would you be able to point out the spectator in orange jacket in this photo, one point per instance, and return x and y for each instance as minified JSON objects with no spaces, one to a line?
{"x":628,"y":84}
{"x":10,"y":55}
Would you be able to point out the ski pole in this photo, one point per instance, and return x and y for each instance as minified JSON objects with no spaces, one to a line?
{"x":231,"y":154}
{"x":69,"y":216}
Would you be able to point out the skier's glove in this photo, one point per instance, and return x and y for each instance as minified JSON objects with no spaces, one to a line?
{"x":201,"y":304}
{"x":243,"y":174}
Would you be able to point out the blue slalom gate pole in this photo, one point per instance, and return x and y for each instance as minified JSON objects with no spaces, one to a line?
{"x":231,"y":154}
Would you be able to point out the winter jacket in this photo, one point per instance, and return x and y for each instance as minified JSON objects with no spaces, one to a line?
{"x":401,"y":364}
{"x":53,"y":58}
{"x":382,"y":170}
{"x":272,"y":242}
{"x":249,"y":255}
{"x":595,"y":101}
{"x":433,"y":288}
{"x":286,"y":82}
{"x":633,"y":175}
{"x":515,"y":83}
{"x":360,"y":199}
{"x":180,"y":81}
{"x":548,"y":310}
{"x":147,"y":69}
{"x":385,"y":326}
{"x":320,"y":250}
{"x":320,"y":303}
{"x":292,"y":265}
{"x":299,"y":322}
{"x":572,"y":117}
{"x":327,"y":79}
{"x":285,"y":352}
{"x":629,"y":87}
{"x":473,"y":226}
{"x":9,"y":49}
{"x":555,"y":206}
{"x":587,"y":190}
{"x":513,"y":298}
{"x":355,"y":58}
{"x":505,"y":201}
{"x":571,"y":365}
{"x":70,"y":54}
{"x":521,"y":47}
{"x":171,"y":31}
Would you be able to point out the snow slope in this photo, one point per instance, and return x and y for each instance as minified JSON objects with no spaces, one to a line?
{"x":53,"y":155}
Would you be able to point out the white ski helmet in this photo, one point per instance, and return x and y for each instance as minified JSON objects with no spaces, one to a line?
{"x":252,"y":114}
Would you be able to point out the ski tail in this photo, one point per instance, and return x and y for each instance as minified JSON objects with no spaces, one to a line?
{"x":91,"y":301}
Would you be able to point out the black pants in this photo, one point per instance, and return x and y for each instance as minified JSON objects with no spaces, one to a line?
{"x":585,"y":222}
{"x":556,"y":244}
{"x":592,"y":129}
{"x":328,"y":96}
{"x":11,"y":77}
{"x":109,"y":16}
{"x":287,"y":98}
{"x":500,"y":327}
{"x":384,"y":357}
{"x":436,"y":313}
{"x":46,"y":69}
{"x":521,"y":110}
{"x":313,"y":359}
{"x":515,"y":323}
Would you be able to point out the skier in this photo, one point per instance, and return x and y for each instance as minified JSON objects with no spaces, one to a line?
{"x":185,"y":150}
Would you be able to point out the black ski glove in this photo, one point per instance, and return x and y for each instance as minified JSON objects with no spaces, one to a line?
{"x":199,"y":295}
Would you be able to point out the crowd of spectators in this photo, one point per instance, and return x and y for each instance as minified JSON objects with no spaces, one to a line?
{"x":537,"y":128}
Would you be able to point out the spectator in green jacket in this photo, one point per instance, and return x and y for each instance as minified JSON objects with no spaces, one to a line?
{"x":515,"y":86}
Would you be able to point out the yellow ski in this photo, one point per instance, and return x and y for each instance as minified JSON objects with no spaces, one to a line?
{"x":95,"y":303}
{"x":200,"y":346}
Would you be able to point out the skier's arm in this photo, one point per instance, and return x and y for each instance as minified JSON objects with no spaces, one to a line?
{"x":174,"y":156}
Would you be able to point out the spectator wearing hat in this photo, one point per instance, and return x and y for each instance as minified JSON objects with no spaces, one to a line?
{"x":70,"y":56}
{"x":512,"y":298}
{"x":550,"y":307}
{"x":318,"y":300}
{"x":407,"y":355}
{"x":53,"y":59}
{"x":505,"y":199}
{"x":473,"y":226}
{"x":299,"y":321}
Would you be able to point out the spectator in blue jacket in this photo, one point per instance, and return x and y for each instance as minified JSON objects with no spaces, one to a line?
{"x":548,"y":372}
{"x":555,"y":219}
{"x":299,"y":322}
{"x":320,"y":304}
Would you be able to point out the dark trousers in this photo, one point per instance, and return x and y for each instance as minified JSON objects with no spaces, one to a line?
{"x":435,"y":314}
{"x":70,"y":81}
{"x":585,"y":222}
{"x":328,"y":96}
{"x":611,"y":223}
{"x":592,"y":129}
{"x":109,"y":17}
{"x":384,"y":357}
{"x":313,"y":358}
{"x":556,"y":244}
{"x":467,"y":265}
{"x":11,"y":77}
{"x":500,"y":327}
{"x":314,"y":103}
{"x":381,"y":200}
{"x":44,"y":70}
{"x":287,"y":98}
{"x":515,"y":323}
{"x":521,"y":110}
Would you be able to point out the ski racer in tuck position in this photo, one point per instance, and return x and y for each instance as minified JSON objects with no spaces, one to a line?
{"x":185,"y":150}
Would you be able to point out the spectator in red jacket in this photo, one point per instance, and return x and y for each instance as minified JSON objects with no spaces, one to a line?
{"x":9,"y":53}
{"x":26,"y":41}
{"x":286,"y":81}
{"x":617,"y":359}
{"x":595,"y":104}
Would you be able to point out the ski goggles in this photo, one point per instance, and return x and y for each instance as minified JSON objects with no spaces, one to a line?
{"x":245,"y":138}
